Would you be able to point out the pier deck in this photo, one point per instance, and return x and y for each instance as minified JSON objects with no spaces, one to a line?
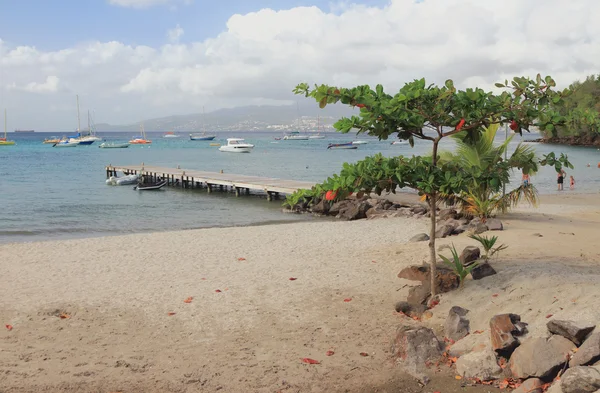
{"x":190,"y":178}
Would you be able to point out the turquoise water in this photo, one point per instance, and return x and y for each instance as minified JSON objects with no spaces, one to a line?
{"x":49,"y":193}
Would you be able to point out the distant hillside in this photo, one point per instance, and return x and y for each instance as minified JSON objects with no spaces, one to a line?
{"x":247,"y":118}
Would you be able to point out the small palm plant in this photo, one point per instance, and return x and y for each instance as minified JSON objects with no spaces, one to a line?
{"x":488,"y":245}
{"x":456,"y":265}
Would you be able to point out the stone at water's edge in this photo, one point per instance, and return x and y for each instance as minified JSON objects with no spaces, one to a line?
{"x":339,"y":206}
{"x":503,"y":331}
{"x":414,"y":347}
{"x":481,"y":364}
{"x":532,"y":385}
{"x":540,"y":357}
{"x":457,"y":324}
{"x":469,"y":255}
{"x":588,"y":353}
{"x":421,"y":237}
{"x":321,"y":208}
{"x":482,"y":270}
{"x":574,"y":331}
{"x":580,"y":380}
{"x":355,"y":211}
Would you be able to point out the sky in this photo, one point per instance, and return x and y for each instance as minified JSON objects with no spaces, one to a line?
{"x":130,"y":60}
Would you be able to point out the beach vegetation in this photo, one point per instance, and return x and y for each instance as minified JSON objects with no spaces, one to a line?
{"x":419,"y":111}
{"x":457,"y":266}
{"x":488,"y":244}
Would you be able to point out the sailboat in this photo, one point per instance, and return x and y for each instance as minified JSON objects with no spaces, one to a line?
{"x":140,"y":140}
{"x":295,"y":135}
{"x":203,"y":136}
{"x":318,"y":135}
{"x":81,"y":139}
{"x":4,"y":141}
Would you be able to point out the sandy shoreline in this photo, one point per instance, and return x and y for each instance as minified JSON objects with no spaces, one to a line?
{"x":119,"y":290}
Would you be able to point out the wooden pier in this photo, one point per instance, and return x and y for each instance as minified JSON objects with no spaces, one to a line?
{"x":189,"y":178}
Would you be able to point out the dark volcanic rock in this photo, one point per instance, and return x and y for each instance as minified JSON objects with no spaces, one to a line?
{"x":443,"y":231}
{"x":503,"y":331}
{"x":469,"y":255}
{"x":339,"y":206}
{"x":321,"y":207}
{"x":482,"y":270}
{"x":574,"y":331}
{"x":355,"y":211}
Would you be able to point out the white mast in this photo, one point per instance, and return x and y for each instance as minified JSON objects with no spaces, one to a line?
{"x":5,"y":123}
{"x":89,"y":126}
{"x":203,"y":121}
{"x":78,"y":118}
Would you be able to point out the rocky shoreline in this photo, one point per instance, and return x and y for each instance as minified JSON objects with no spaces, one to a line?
{"x":449,"y":221}
{"x":571,"y":141}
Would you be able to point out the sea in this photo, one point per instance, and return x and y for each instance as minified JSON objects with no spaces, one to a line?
{"x":56,"y":193}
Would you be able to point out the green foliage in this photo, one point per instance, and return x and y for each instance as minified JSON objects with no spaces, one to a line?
{"x":456,"y":265}
{"x":488,"y":245}
{"x":300,"y":196}
{"x":581,"y":110}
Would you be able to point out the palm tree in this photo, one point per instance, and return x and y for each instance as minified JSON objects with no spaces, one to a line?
{"x":482,"y":156}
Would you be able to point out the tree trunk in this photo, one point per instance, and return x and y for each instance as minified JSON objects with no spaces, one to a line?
{"x":432,"y":256}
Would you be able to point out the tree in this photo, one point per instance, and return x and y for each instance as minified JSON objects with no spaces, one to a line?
{"x":430,"y":112}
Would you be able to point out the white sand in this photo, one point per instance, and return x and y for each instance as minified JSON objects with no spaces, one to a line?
{"x":251,"y":336}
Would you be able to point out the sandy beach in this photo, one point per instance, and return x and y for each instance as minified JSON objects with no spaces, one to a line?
{"x":247,"y":324}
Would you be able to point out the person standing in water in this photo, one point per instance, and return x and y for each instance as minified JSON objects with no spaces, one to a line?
{"x":560,"y":178}
{"x":572,"y":185}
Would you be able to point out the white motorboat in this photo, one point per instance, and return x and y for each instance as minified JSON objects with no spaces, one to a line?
{"x":170,"y":134}
{"x":359,"y":142}
{"x":399,"y":143}
{"x":295,"y":136}
{"x":122,"y":181}
{"x":236,"y":145}
{"x":349,"y":146}
{"x":66,"y":143}
{"x":113,"y":145}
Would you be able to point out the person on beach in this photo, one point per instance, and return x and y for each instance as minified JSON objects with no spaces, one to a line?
{"x":560,"y":179}
{"x":525,"y":179}
{"x":572,"y":185}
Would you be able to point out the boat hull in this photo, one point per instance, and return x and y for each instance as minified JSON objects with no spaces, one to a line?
{"x":140,"y":142}
{"x":66,"y":144}
{"x":347,"y":146}
{"x":295,"y":138}
{"x":7,"y":143}
{"x":359,"y":143}
{"x":86,"y":143}
{"x":316,"y":137}
{"x":236,"y":149}
{"x":114,"y":145}
{"x":122,"y":181}
{"x":202,"y":138}
{"x":151,"y":187}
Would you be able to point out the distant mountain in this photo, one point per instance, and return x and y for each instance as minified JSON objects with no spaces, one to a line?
{"x":246,"y":118}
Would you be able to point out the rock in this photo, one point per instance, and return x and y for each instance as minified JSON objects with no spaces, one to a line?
{"x":588,"y":353}
{"x":479,"y":228}
{"x":413,"y":347}
{"x":460,"y":229}
{"x":412,"y":310}
{"x":404,"y":211}
{"x":540,"y":357}
{"x":574,"y":331}
{"x":355,"y":211}
{"x":469,"y":255}
{"x":446,"y":214}
{"x":457,"y":325}
{"x":555,"y":388}
{"x":494,"y":224}
{"x":415,"y":273}
{"x":502,"y":332}
{"x":532,"y":385}
{"x":580,"y":380}
{"x":335,"y":209}
{"x":538,"y":235}
{"x":375,"y":211}
{"x":479,"y":364}
{"x":471,"y":343}
{"x":443,"y":231}
{"x":419,"y":294}
{"x":421,"y":237}
{"x":482,"y":270}
{"x":321,"y":207}
{"x":418,"y":209}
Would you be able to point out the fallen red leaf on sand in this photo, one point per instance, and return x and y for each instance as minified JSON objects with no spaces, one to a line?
{"x":9,"y":327}
{"x":310,"y":361}
{"x":373,"y":262}
{"x":170,"y":314}
{"x":64,"y":316}
{"x":218,"y":291}
{"x":495,"y":295}
{"x":434,"y":303}
{"x":329,"y":353}
{"x":188,"y":300}
{"x":549,"y":315}
{"x":348,"y":300}
{"x":241,"y":259}
{"x":364,"y":354}
{"x":203,"y":279}
{"x":293,"y":278}
{"x":477,"y":332}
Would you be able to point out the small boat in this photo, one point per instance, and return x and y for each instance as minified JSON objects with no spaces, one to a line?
{"x":277,"y":139}
{"x":318,"y":135}
{"x":122,"y":181}
{"x":202,"y":137}
{"x":236,"y":145}
{"x":140,"y":140}
{"x":295,"y":136}
{"x":66,"y":143}
{"x":399,"y":143}
{"x":146,"y":184}
{"x":348,"y":145}
{"x":170,"y":134}
{"x":359,"y":142}
{"x":4,"y":141}
{"x":113,"y":145}
{"x":82,"y":139}
{"x":51,"y":140}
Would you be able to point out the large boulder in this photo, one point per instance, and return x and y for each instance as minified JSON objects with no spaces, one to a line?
{"x":580,"y":380}
{"x":540,"y":357}
{"x":574,"y":331}
{"x":532,"y":385}
{"x":457,"y":324}
{"x":355,"y":211}
{"x":481,"y":364}
{"x":443,"y":230}
{"x":469,"y":255}
{"x":322,"y":207}
{"x":335,"y":209}
{"x":471,"y":343}
{"x":588,"y":353}
{"x":421,"y":237}
{"x":503,"y":331}
{"x":414,"y":347}
{"x":482,"y":270}
{"x":493,"y":224}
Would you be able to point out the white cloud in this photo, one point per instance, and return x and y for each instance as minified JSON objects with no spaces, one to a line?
{"x":145,"y":3}
{"x":259,"y":57}
{"x":175,"y":34}
{"x":48,"y":86}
